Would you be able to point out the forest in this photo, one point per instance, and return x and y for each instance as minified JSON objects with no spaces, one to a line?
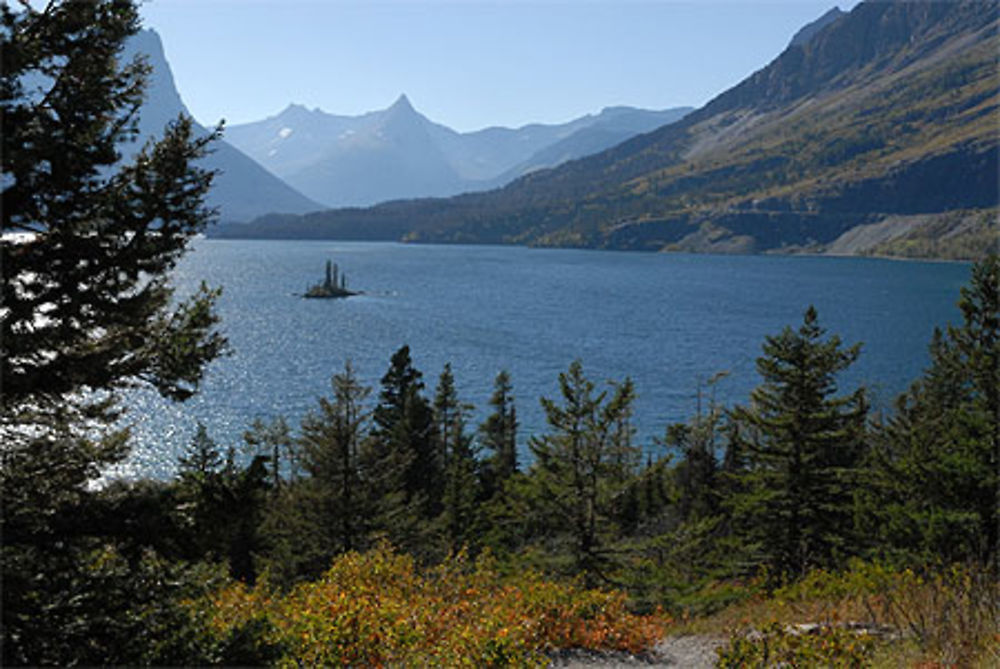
{"x":383,"y":527}
{"x":802,"y":481}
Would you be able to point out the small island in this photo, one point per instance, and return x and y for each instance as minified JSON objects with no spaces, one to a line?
{"x":332,"y":287}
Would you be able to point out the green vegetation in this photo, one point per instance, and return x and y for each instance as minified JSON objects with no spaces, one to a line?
{"x":87,"y":310}
{"x":397,"y":533}
{"x":797,"y":524}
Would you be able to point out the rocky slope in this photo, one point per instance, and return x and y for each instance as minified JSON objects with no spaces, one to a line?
{"x":888,"y":111}
{"x":243,"y":189}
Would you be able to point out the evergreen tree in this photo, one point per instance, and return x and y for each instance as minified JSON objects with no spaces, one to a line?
{"x":803,"y":446}
{"x":86,"y":298}
{"x":935,"y":487}
{"x":498,"y":435}
{"x":87,"y":308}
{"x":461,"y":489}
{"x":221,"y":504}
{"x":273,"y":441}
{"x":696,"y":475}
{"x":399,"y":461}
{"x":581,"y":470}
{"x":201,"y":485}
{"x":404,"y":427}
{"x":329,"y":449}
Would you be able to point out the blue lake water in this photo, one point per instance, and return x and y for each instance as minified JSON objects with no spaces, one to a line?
{"x":668,"y":321}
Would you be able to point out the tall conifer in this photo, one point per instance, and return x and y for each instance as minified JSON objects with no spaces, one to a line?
{"x":581,"y":469}
{"x":461,"y":489}
{"x":498,"y":435}
{"x":803,"y":445}
{"x":936,"y":468}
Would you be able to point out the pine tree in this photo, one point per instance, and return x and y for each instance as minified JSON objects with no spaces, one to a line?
{"x":803,"y":446}
{"x":87,"y":302}
{"x":581,"y":469}
{"x":498,"y":435}
{"x":221,"y":504}
{"x":87,"y":307}
{"x":461,"y":489}
{"x":332,"y":499}
{"x":404,"y":427}
{"x":399,"y":461}
{"x":273,"y":440}
{"x":935,"y":487}
{"x":696,"y":475}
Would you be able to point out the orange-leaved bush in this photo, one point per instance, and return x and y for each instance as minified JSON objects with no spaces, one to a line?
{"x":377,"y":608}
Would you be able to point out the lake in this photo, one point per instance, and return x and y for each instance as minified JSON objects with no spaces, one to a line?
{"x":669,"y":321}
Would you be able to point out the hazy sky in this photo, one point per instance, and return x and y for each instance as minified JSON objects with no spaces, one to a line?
{"x":467,"y":63}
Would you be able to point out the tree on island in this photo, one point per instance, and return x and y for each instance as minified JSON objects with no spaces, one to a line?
{"x":332,"y":286}
{"x":87,"y":308}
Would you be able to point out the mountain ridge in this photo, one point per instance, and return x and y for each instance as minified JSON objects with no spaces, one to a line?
{"x":397,"y":152}
{"x":242,"y":189}
{"x":889,"y":110}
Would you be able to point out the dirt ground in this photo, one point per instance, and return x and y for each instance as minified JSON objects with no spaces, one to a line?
{"x":690,"y":652}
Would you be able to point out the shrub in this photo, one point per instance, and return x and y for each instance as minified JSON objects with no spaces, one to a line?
{"x":778,"y":645}
{"x":377,"y":608}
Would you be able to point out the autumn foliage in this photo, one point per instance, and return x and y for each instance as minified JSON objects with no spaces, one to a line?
{"x":378,"y":608}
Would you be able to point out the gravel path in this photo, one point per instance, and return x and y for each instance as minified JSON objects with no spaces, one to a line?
{"x":691,"y":652}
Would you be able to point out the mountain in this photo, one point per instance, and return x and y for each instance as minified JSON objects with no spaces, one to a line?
{"x":877,"y":135}
{"x":593,"y":134}
{"x":243,"y":190}
{"x":398,"y":153}
{"x":808,"y":31}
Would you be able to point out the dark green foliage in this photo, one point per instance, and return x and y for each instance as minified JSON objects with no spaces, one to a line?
{"x":327,"y":512}
{"x":404,"y":427}
{"x":272,"y":440}
{"x":936,"y":471}
{"x":461,"y":486}
{"x":697,"y":474}
{"x":221,"y":505}
{"x":581,"y":470}
{"x":87,"y":311}
{"x":803,"y":446}
{"x":498,"y":435}
{"x":401,"y":460}
{"x":102,"y":245}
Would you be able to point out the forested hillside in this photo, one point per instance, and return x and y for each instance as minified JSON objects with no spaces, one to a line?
{"x":883,"y":122}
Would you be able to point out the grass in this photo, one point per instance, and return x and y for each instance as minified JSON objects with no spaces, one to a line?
{"x":867,"y":615}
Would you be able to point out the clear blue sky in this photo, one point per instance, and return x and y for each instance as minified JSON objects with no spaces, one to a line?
{"x":468,"y":64}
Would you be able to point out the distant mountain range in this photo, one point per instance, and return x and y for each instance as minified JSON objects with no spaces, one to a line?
{"x":872,"y":132}
{"x":301,"y":160}
{"x":243,"y":189}
{"x":398,"y":153}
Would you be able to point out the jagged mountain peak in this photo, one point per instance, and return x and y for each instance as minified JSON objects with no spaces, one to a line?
{"x":401,"y":112}
{"x":243,"y":189}
{"x":884,"y":118}
{"x":296,"y":111}
{"x":402,"y":104}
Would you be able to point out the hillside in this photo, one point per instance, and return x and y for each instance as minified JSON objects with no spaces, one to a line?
{"x":888,"y":112}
